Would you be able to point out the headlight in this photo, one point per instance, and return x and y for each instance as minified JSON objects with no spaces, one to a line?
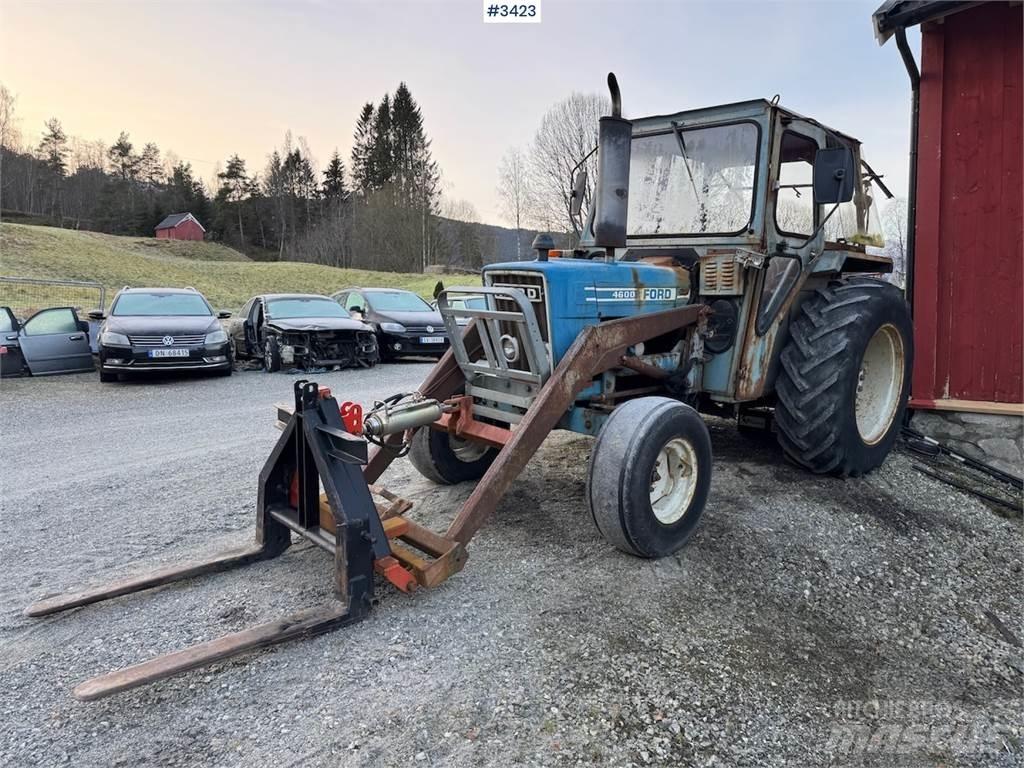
{"x":392,"y":327}
{"x":509,"y":348}
{"x":119,"y":339}
{"x":216,"y":337}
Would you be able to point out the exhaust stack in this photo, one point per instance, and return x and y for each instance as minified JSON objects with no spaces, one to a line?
{"x":612,"y":196}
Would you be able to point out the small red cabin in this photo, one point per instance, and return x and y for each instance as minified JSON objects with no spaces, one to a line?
{"x":180,"y":226}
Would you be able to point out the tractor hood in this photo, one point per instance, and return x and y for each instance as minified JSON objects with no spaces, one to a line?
{"x":316,"y":324}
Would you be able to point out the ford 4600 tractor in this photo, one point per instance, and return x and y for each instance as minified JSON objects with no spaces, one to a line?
{"x":723,"y":268}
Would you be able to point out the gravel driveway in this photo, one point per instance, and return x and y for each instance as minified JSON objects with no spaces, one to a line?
{"x":810,"y":621}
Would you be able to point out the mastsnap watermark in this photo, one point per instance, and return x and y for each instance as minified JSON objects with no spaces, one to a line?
{"x":918,"y":731}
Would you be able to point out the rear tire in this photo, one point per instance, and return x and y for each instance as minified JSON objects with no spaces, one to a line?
{"x":446,"y":460}
{"x":650,"y":473}
{"x":845,"y":378}
{"x":271,"y":355}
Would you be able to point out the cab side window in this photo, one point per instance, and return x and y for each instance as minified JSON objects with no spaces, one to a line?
{"x":355,"y":301}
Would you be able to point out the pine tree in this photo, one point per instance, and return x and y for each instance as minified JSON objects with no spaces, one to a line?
{"x":334,"y":179}
{"x":123,"y":158}
{"x":383,"y":152}
{"x":362,"y":151}
{"x":53,"y":149}
{"x":151,"y":169}
{"x":236,"y":186}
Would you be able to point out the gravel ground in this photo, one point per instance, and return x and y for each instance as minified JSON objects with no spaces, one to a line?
{"x":810,"y":621}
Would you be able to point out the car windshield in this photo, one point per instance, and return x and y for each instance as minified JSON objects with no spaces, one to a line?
{"x":314,"y":306}
{"x":144,"y":304}
{"x":397,"y":301}
{"x":475,"y":302}
{"x":693,"y":181}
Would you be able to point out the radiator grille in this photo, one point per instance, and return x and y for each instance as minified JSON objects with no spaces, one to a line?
{"x":181,"y":340}
{"x":532,"y":285}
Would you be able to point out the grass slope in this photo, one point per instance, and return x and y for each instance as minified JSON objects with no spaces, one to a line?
{"x":225,"y":276}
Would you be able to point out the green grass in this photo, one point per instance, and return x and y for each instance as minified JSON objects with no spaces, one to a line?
{"x":227,"y":278}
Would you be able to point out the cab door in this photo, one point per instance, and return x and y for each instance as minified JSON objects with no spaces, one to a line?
{"x":54,"y":341}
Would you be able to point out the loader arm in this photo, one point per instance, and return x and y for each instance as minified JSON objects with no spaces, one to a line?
{"x":598,"y":349}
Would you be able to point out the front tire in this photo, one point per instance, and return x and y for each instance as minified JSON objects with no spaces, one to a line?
{"x":271,"y":355}
{"x":650,"y":474}
{"x":106,"y":377}
{"x":446,"y":460}
{"x":845,"y":378}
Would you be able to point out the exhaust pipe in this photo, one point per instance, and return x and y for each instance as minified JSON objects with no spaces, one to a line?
{"x":615,"y":135}
{"x":613,"y":87}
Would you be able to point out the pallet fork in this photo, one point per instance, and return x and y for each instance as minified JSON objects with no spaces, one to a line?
{"x":319,"y":447}
{"x":314,"y":449}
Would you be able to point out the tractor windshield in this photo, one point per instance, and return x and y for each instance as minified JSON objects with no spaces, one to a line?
{"x":693,"y":181}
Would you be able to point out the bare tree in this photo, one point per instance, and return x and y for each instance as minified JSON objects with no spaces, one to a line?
{"x":9,"y":135}
{"x":894,"y":224}
{"x":567,"y":134}
{"x":514,"y":191}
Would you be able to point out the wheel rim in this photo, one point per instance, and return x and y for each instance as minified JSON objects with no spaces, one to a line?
{"x":879,"y":384}
{"x":673,"y":480}
{"x":466,"y":451}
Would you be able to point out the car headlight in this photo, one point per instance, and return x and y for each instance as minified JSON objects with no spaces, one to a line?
{"x":392,"y":327}
{"x":216,"y":337}
{"x":119,"y":339}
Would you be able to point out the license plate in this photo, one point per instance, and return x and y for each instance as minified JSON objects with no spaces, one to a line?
{"x":168,"y":353}
{"x":431,"y":339}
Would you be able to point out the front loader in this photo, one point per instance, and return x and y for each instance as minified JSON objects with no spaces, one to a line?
{"x":723,"y":268}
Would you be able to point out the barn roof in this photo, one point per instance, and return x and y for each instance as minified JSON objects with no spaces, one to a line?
{"x":174,"y":219}
{"x":893,"y":14}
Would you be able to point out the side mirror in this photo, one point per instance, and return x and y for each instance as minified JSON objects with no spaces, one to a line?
{"x":438,"y":289}
{"x":614,"y":144}
{"x":97,"y":314}
{"x":579,"y":188}
{"x":223,"y":315}
{"x":834,"y":175}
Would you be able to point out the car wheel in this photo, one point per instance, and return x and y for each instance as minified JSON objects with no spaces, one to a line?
{"x":271,"y":355}
{"x":107,"y":377}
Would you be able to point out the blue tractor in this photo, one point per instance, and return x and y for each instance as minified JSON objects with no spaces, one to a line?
{"x":724,"y":269}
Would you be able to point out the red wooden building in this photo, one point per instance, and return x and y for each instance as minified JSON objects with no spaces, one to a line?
{"x":966,"y":279}
{"x":180,"y":226}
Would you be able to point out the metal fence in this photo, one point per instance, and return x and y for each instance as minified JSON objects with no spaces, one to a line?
{"x":27,"y":295}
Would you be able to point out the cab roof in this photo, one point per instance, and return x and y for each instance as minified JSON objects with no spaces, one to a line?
{"x":737,"y":110}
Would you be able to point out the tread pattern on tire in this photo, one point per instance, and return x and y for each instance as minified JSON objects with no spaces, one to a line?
{"x":812,"y":384}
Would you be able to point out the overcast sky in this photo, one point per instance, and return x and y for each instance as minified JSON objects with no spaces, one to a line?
{"x":208,"y":79}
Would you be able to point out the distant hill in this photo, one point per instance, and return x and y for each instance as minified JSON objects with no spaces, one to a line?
{"x":494,"y":243}
{"x":227,"y":278}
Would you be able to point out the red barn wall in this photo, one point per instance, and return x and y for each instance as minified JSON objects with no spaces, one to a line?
{"x":968,"y":278}
{"x":187,"y":230}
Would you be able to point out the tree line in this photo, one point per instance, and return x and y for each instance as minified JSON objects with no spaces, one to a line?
{"x":383,"y":211}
